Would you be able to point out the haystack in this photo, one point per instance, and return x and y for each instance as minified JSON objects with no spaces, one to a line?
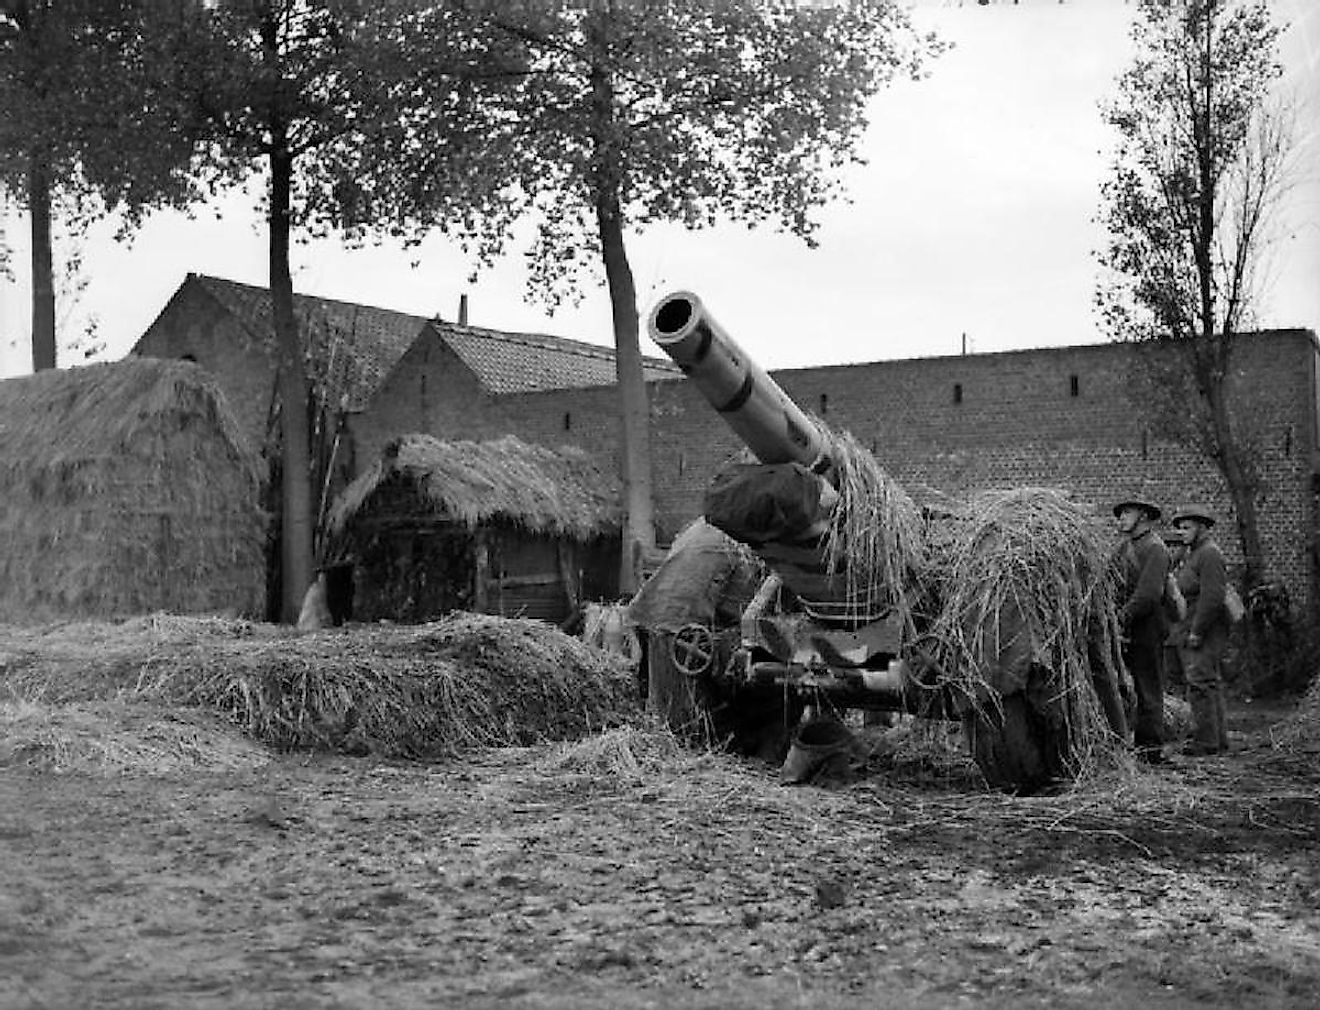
{"x":497,"y":527}
{"x":125,"y":488}
{"x":1027,"y":608}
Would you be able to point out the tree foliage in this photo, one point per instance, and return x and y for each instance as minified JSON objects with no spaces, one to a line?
{"x":89,"y":123}
{"x":427,"y":153}
{"x":695,"y":111}
{"x":1202,"y":161}
{"x":610,"y":115}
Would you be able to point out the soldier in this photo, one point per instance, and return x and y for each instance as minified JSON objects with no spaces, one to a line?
{"x":1203,"y":634}
{"x":1175,"y":607}
{"x":1142,"y":562}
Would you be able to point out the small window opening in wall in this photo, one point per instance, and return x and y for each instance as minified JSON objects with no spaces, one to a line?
{"x":1074,"y":385}
{"x":1287,"y":442}
{"x":1145,"y":443}
{"x":957,"y":392}
{"x":682,"y":463}
{"x":189,"y":357}
{"x":824,"y":404}
{"x":568,"y":421}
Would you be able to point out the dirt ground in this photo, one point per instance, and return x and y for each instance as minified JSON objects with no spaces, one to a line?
{"x":548,"y":877}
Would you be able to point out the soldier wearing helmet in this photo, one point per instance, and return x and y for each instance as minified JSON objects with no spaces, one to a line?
{"x":1202,"y":636}
{"x":1142,"y":563}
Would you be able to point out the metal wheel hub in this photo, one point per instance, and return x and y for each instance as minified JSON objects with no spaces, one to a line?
{"x":693,"y":650}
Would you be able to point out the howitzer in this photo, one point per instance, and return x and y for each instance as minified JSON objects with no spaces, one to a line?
{"x":818,"y":627}
{"x":831,"y":637}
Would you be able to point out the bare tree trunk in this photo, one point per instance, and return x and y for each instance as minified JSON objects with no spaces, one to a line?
{"x":43,"y":279}
{"x":1243,"y":485}
{"x":639,"y":533}
{"x":295,"y":451}
{"x":1216,"y":336}
{"x":1248,"y":526}
{"x":639,"y":527}
{"x":296,"y":528}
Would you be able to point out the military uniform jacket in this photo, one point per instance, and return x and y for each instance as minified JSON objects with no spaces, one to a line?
{"x":1143,"y":565}
{"x":1203,"y":578}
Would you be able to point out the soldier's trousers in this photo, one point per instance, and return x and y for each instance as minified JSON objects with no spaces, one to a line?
{"x":1144,"y":656}
{"x":1203,"y":668}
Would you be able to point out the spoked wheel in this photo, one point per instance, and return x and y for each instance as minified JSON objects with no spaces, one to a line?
{"x":687,"y":689}
{"x":693,"y":650}
{"x":679,"y":696}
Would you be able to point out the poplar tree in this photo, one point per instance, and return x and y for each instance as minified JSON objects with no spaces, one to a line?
{"x":90,"y":124}
{"x":1202,"y":162}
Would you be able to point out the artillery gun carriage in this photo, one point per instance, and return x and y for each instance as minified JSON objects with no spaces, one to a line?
{"x":778,"y":611}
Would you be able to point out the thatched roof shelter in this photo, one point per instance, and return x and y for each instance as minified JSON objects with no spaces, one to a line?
{"x":125,"y":488}
{"x":498,"y":527}
{"x":542,"y":490}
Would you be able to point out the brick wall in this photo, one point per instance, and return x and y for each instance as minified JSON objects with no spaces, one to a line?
{"x":193,"y":325}
{"x":1060,"y":417}
{"x":429,"y":390}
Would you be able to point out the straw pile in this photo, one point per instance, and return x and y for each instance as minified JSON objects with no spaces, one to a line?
{"x":631,"y":755}
{"x":125,"y":488}
{"x":92,"y":661}
{"x":111,"y":738}
{"x":875,"y":537}
{"x":420,"y":691}
{"x":1027,"y":600}
{"x":1300,"y":732}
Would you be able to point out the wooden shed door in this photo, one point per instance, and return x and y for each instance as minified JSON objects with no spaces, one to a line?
{"x":526,"y":578}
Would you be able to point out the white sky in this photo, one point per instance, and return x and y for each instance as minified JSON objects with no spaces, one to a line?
{"x":974,"y":216}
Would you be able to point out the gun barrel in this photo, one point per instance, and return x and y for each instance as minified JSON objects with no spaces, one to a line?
{"x":752,"y":403}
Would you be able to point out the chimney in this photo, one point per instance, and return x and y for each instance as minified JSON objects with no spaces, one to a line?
{"x":462,"y":310}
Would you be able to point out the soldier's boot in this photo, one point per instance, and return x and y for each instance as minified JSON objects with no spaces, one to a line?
{"x":1221,"y":719}
{"x":1206,"y":723}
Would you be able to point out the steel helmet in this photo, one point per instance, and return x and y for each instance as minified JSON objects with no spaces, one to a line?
{"x":1150,"y":508}
{"x":1198,"y":512}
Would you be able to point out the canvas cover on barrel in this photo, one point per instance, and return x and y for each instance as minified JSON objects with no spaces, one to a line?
{"x":757,"y":502}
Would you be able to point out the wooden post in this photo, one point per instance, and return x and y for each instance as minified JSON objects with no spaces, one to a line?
{"x":568,"y":574}
{"x":480,"y":571}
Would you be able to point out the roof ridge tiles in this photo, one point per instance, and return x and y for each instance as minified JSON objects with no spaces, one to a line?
{"x":302,"y":296}
{"x":551,"y":341}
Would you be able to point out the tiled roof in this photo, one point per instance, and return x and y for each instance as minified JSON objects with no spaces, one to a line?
{"x":532,"y":362}
{"x":357,"y":345}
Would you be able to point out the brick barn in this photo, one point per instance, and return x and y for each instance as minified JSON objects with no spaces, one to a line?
{"x":227,"y":328}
